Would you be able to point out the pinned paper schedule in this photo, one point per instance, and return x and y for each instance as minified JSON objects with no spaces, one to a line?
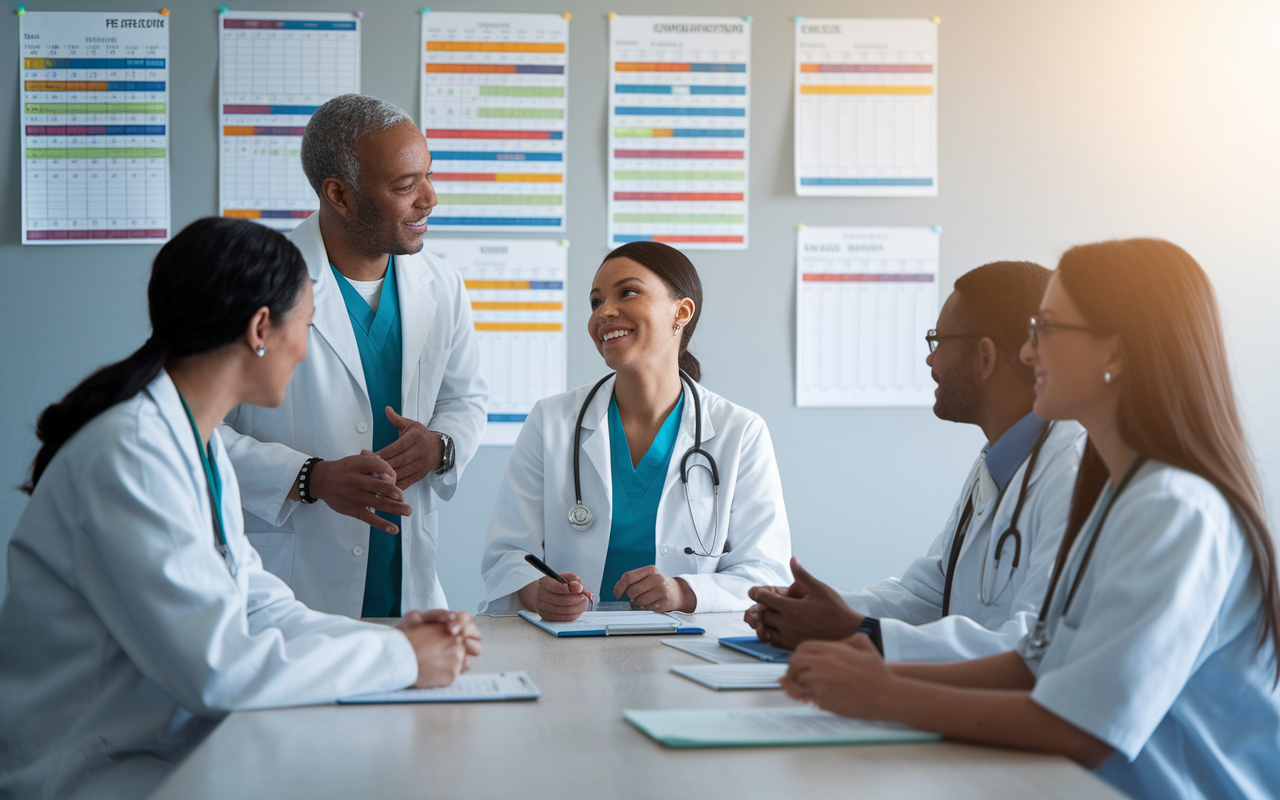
{"x":95,"y":127}
{"x":866,"y":107}
{"x":516,"y":288}
{"x":679,"y":122}
{"x":275,"y":70}
{"x":494,"y":109}
{"x":865,"y":298}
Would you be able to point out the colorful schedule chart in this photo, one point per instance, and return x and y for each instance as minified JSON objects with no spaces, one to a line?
{"x":275,"y":70}
{"x":866,"y":107}
{"x":679,"y":122}
{"x":494,"y":104}
{"x":865,"y":298}
{"x":517,"y":296}
{"x":95,"y":127}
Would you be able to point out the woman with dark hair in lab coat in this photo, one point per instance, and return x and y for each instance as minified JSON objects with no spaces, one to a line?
{"x":137,"y":613}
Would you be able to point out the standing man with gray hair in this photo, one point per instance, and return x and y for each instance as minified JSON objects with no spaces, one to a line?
{"x":340,"y":483}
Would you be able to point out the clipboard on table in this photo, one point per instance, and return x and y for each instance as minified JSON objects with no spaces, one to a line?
{"x":752,"y":646}
{"x":614,"y":623}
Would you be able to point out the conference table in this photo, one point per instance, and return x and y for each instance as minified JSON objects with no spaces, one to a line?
{"x":573,"y":742}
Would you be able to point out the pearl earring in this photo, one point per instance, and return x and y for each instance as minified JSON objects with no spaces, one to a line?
{"x":262,"y":351}
{"x":1106,"y":377}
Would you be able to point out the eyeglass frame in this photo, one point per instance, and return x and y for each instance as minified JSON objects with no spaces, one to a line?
{"x":1048,"y":327}
{"x":932,"y":338}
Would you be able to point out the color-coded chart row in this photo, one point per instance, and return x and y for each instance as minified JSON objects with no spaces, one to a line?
{"x":497,"y":69}
{"x":288,"y":25}
{"x":93,"y":86}
{"x":260,"y":130}
{"x":95,"y":130}
{"x":263,"y":213}
{"x":676,"y":219}
{"x":681,"y":197}
{"x":445,"y":133}
{"x":866,"y":181}
{"x":500,"y":177}
{"x":555,"y":286}
{"x":305,"y":111}
{"x":93,"y":108}
{"x":481,"y":305}
{"x":496,"y":47}
{"x":818,"y":88}
{"x":93,"y":63}
{"x":680,"y":133}
{"x":679,"y":154}
{"x":94,"y":152}
{"x":623,"y":238}
{"x":508,"y":222}
{"x":679,"y":175}
{"x":468,"y":155}
{"x":864,"y":68}
{"x":519,"y":326}
{"x":677,"y":111}
{"x":459,"y":199}
{"x":160,"y":233}
{"x":634,"y":88}
{"x":867,"y":277}
{"x":668,"y":66}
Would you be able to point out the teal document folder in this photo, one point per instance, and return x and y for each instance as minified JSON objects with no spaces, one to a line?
{"x":766,"y":727}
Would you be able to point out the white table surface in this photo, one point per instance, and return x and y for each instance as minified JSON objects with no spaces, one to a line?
{"x":573,"y":743}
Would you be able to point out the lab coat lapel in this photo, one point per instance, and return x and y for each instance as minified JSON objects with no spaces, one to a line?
{"x":595,"y":434}
{"x":331,"y":320}
{"x":417,"y":313}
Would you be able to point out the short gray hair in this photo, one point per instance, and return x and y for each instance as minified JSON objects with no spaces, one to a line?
{"x":334,"y":132}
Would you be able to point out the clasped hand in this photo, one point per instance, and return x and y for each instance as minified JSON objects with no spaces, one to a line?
{"x":444,"y":642}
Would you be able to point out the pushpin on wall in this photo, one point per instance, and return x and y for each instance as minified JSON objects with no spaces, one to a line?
{"x":425,"y":11}
{"x":937,"y":229}
{"x":746,"y":18}
{"x":800,"y":226}
{"x":358,"y":14}
{"x":936,"y":20}
{"x":222,"y":9}
{"x":164,"y":12}
{"x":613,"y":15}
{"x":798,"y":17}
{"x":564,"y":242}
{"x":567,"y":15}
{"x":21,"y":10}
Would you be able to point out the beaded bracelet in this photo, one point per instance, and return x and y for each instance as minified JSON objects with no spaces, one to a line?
{"x":304,"y":480}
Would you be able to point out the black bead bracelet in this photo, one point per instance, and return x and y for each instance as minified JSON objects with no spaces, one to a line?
{"x":304,"y":480}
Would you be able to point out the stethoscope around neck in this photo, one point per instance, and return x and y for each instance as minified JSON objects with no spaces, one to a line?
{"x":580,"y":514}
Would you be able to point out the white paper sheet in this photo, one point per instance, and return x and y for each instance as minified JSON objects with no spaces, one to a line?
{"x":517,"y":296}
{"x":95,"y":127}
{"x":275,"y":69}
{"x":679,"y":126}
{"x":866,"y":107}
{"x":708,"y":649}
{"x":494,"y":106}
{"x":766,"y":726}
{"x":620,"y":621}
{"x":467,"y":688}
{"x":865,"y":298}
{"x":735,"y":676}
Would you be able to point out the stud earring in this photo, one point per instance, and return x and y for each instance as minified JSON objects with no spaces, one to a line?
{"x":1106,"y":377}
{"x":676,"y":330}
{"x":262,"y":351}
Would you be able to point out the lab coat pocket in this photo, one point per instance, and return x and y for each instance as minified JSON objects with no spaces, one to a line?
{"x":276,"y":549}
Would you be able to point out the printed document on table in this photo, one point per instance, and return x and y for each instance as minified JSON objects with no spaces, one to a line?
{"x":494,"y":107}
{"x":517,"y":292}
{"x":866,"y":107}
{"x":275,"y":69}
{"x":708,"y":649}
{"x":735,"y":676}
{"x":466,"y":688}
{"x":865,"y":298}
{"x":679,"y":123}
{"x":786,"y":725}
{"x":94,"y":131}
{"x":613,"y":623}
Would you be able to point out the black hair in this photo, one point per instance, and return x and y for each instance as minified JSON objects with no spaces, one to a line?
{"x":206,"y":284}
{"x":998,"y":301}
{"x":677,"y":272}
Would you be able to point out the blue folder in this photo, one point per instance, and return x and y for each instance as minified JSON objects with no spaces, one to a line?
{"x":754,"y":647}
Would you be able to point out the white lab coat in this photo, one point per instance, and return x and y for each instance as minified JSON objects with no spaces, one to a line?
{"x":321,"y":554}
{"x":124,"y":637}
{"x":912,"y":627}
{"x":531,"y":513}
{"x":1157,"y":655}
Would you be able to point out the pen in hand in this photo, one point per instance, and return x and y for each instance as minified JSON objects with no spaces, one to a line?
{"x":542,"y":567}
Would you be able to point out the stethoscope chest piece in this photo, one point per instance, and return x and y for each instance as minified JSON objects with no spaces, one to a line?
{"x":580,"y":516}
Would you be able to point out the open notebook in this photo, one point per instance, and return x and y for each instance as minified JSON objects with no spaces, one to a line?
{"x":614,"y":623}
{"x":469,"y":688}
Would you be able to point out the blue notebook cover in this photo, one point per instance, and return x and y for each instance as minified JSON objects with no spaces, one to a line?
{"x":754,"y":647}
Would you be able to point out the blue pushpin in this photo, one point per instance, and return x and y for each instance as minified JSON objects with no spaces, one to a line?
{"x":222,"y":9}
{"x":746,"y":18}
{"x":937,"y":229}
{"x":425,"y":10}
{"x":798,"y":17}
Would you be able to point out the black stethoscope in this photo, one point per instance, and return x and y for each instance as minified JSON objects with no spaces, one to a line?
{"x":580,"y":514}
{"x":957,"y":540}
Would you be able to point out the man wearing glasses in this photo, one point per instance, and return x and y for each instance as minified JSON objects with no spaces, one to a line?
{"x":977,"y":590}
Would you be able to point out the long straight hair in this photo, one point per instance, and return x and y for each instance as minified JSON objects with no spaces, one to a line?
{"x":1177,"y":404}
{"x":206,"y":284}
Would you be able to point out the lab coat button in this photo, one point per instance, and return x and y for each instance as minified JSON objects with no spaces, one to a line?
{"x":665,"y":549}
{"x":361,"y":427}
{"x":357,"y":551}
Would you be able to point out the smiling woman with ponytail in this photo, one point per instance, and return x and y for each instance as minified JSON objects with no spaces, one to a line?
{"x":137,"y":613}
{"x":643,"y":487}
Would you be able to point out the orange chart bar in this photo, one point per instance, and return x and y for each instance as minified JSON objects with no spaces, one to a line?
{"x":651,"y":66}
{"x":499,"y":177}
{"x":497,"y":284}
{"x":481,"y":305}
{"x":497,"y":47}
{"x":242,"y":213}
{"x":815,"y":88}
{"x":503,"y":69}
{"x":519,"y":326}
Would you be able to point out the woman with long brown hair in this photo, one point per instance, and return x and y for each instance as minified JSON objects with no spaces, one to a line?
{"x":1154,"y":660}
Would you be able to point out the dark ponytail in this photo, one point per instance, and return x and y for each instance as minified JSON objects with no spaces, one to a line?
{"x":206,"y":284}
{"x":677,"y":272}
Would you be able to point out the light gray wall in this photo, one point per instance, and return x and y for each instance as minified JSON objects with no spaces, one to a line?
{"x":1060,"y":123}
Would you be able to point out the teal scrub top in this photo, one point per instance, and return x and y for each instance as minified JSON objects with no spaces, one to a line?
{"x":381,"y":355}
{"x":633,"y":538}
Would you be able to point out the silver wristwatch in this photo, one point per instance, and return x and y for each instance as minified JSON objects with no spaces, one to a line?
{"x":446,"y":458}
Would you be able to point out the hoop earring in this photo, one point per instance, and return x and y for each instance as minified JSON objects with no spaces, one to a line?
{"x":262,"y":351}
{"x":1106,"y":377}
